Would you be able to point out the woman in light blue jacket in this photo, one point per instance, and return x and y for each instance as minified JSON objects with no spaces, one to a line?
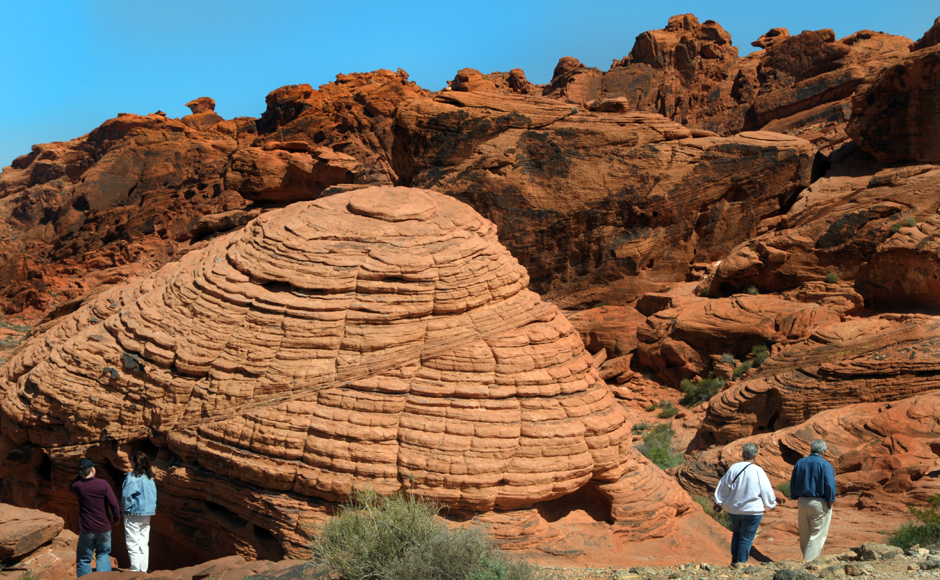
{"x":138,"y":503}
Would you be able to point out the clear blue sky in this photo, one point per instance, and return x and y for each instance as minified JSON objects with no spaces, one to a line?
{"x":67,"y":66}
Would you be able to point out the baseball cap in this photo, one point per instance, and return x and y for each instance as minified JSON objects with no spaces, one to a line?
{"x":85,"y":463}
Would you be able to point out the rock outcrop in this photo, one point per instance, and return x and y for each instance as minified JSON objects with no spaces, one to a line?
{"x":878,"y":359}
{"x":380,"y":338}
{"x":602,"y":197}
{"x":692,"y":204}
{"x":879,"y":450}
{"x":896,"y":114}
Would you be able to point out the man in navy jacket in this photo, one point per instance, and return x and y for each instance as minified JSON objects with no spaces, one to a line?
{"x":813,"y":484}
{"x":98,"y":510}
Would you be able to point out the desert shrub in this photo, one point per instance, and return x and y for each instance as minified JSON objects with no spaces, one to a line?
{"x":832,"y":278}
{"x":742,"y":368}
{"x":760,"y":352}
{"x":707,"y":504}
{"x":667,"y":410}
{"x":727,"y":358}
{"x":701,"y":390}
{"x":751,"y":289}
{"x":652,"y":407}
{"x":705,"y":293}
{"x":784,"y":488}
{"x":464,"y":553}
{"x":923,"y":531}
{"x":905,"y":223}
{"x":399,"y":537}
{"x":640,"y":427}
{"x":657,"y":447}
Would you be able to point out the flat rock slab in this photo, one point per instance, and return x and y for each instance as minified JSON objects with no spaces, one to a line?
{"x":23,"y":530}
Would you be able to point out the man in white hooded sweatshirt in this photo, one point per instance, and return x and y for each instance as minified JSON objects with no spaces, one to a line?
{"x":744,"y":491}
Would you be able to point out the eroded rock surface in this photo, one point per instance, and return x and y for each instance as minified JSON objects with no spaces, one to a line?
{"x":380,"y":338}
{"x":584,"y":197}
{"x":878,"y":359}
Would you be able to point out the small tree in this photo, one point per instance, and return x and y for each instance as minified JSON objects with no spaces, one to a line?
{"x":832,"y":278}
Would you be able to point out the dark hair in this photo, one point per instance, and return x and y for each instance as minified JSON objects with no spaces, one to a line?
{"x":141,"y":464}
{"x":83,"y":472}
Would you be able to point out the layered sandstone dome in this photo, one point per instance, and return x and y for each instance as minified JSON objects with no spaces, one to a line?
{"x":378,"y":338}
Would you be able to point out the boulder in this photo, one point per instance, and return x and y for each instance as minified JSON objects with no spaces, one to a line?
{"x":24,"y":530}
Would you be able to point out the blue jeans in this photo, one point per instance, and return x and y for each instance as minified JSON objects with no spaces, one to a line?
{"x":743,"y":530}
{"x":89,"y":544}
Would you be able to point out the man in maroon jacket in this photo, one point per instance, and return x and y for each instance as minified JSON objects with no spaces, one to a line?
{"x":98,"y":510}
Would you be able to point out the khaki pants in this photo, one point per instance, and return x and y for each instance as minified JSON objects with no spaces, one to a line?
{"x":814,"y":519}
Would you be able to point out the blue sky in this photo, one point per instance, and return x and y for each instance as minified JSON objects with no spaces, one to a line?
{"x":67,"y":66}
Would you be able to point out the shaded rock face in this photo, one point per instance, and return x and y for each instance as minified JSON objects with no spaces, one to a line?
{"x":353,"y":115}
{"x":380,"y":338}
{"x":601,"y":196}
{"x":897,"y":113}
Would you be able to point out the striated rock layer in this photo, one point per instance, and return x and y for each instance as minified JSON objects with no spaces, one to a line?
{"x":380,"y":338}
{"x":883,"y":453}
{"x":886,"y":358}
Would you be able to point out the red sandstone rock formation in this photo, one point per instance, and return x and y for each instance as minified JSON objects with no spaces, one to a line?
{"x":601,"y":196}
{"x":878,"y":359}
{"x":378,"y":339}
{"x":270,"y":381}
{"x":896,"y":115}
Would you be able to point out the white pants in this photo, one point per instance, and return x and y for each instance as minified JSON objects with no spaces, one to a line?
{"x":137,"y":533}
{"x":815,"y":516}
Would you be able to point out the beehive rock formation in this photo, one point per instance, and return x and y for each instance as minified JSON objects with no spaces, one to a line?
{"x":380,"y":338}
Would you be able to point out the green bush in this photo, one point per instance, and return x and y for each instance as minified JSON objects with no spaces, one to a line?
{"x":923,"y":531}
{"x":784,"y":488}
{"x":907,"y":222}
{"x":667,"y":410}
{"x":760,"y":352}
{"x":640,"y":427}
{"x":705,"y":293}
{"x":742,"y":368}
{"x":832,"y":278}
{"x":751,"y":289}
{"x":701,"y":390}
{"x":657,"y":447}
{"x":727,"y":358}
{"x":400,"y":537}
{"x":707,"y":504}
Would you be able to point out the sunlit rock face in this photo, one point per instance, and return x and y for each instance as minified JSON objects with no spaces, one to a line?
{"x":380,"y":338}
